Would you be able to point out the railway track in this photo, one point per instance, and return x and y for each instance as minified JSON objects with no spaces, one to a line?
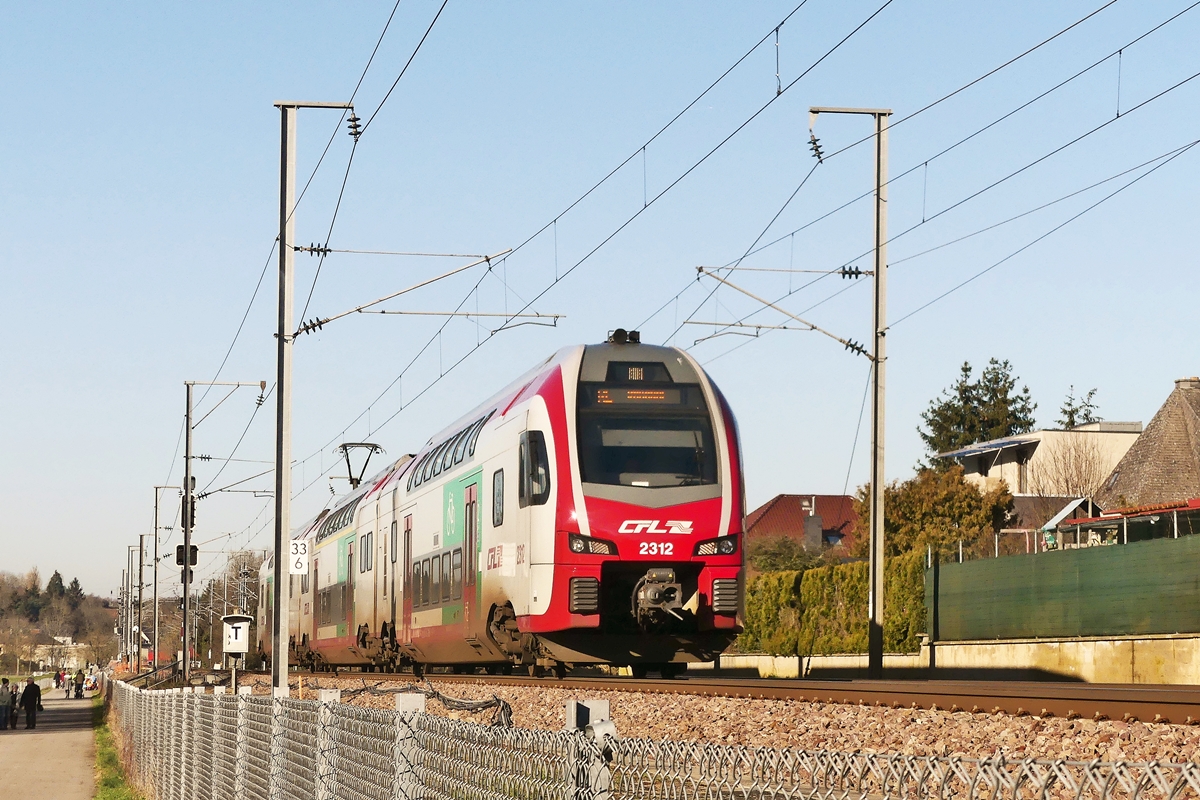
{"x":1176,"y":704}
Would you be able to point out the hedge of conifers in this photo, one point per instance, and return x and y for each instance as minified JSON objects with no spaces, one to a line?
{"x":823,"y":611}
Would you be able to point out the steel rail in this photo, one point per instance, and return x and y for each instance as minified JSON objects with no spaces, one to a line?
{"x":1148,"y":703}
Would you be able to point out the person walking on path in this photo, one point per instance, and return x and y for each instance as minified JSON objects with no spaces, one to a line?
{"x":79,"y":685}
{"x":12,"y":707}
{"x":5,"y":703}
{"x":31,"y":701}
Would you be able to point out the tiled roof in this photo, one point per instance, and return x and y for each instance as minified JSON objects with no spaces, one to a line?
{"x":1163,"y":466}
{"x":784,"y":515}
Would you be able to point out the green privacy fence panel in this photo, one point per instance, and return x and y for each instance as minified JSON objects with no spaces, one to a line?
{"x":1139,"y":588}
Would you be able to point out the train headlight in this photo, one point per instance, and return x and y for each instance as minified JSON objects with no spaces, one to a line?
{"x":588,"y":544}
{"x":724,"y":546}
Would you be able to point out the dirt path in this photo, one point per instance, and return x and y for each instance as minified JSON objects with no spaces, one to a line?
{"x":55,"y":759}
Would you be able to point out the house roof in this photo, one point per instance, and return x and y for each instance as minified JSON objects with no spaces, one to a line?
{"x":783,"y":515}
{"x":980,"y":448}
{"x":1163,"y":466}
{"x":1031,"y":511}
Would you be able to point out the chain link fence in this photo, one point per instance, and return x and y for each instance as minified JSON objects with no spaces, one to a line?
{"x":190,"y":746}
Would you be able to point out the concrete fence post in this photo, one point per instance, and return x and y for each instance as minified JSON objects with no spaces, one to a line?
{"x":405,"y":782}
{"x":325,"y":777}
{"x":239,"y":768}
{"x":277,"y":763}
{"x":592,"y":778}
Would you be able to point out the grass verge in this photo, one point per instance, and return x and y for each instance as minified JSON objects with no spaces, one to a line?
{"x":110,"y":776}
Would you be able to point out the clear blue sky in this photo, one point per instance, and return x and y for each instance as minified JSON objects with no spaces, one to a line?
{"x":138,"y":203}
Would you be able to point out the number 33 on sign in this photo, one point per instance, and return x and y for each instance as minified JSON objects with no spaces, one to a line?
{"x":298,"y":557}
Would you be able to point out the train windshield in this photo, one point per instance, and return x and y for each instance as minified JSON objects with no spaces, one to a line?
{"x":642,"y":436}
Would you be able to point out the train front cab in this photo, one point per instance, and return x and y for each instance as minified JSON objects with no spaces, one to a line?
{"x":647,"y":551}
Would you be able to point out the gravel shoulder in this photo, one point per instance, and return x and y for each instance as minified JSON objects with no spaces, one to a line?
{"x":814,"y":725}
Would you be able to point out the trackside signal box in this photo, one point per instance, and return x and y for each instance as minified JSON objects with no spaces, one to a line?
{"x":237,"y":633}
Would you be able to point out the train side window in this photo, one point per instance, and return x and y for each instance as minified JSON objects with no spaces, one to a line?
{"x":415,"y":588}
{"x":456,"y":574}
{"x":369,"y":552}
{"x":445,"y":577}
{"x":498,"y":498}
{"x":448,"y":458}
{"x":394,"y":540}
{"x":438,"y":458}
{"x":470,"y":540}
{"x":460,"y":448}
{"x":475,"y":433}
{"x":425,"y":582}
{"x":304,"y":583}
{"x":362,"y":552}
{"x":435,"y":576}
{"x":522,"y":471}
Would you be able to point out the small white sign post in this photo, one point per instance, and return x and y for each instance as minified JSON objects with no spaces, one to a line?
{"x":237,"y":641}
{"x":298,"y":557}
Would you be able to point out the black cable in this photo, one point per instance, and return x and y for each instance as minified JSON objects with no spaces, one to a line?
{"x":329,"y":234}
{"x":638,"y":213}
{"x":977,"y":132}
{"x":238,"y":444}
{"x":416,"y":50}
{"x":858,"y":427}
{"x":1011,"y":175}
{"x":1167,"y":155}
{"x":983,"y":77}
{"x":1025,"y":247}
{"x":757,"y":239}
{"x":296,"y":205}
{"x":642,"y":148}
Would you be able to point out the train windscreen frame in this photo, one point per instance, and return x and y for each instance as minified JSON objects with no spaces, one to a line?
{"x":649,"y":434}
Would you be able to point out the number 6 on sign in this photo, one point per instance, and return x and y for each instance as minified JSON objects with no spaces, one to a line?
{"x":298,"y":557}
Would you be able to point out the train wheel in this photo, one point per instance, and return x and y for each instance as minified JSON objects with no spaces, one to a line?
{"x":560,"y":670}
{"x":669,"y":671}
{"x":534,"y":671}
{"x":638,"y":670}
{"x":418,"y":670}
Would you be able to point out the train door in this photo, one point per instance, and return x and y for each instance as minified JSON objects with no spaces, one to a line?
{"x":351,"y":569}
{"x":535,"y":513}
{"x":470,"y":553}
{"x":316,"y":599}
{"x":387,"y":562}
{"x":405,"y":604}
{"x":372,"y":578}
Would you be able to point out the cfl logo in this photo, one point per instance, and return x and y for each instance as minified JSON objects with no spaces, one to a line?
{"x":653,"y":526}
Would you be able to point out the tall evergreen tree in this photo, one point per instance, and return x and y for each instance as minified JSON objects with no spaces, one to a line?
{"x":74,"y":594}
{"x":973,"y":411}
{"x":1078,"y":411}
{"x":54,"y":586}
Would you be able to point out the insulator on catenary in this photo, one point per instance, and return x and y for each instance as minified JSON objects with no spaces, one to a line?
{"x":815,"y":144}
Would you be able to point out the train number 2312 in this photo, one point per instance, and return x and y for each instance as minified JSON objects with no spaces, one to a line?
{"x":657,"y":548}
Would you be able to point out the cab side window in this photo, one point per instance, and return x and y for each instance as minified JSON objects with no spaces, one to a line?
{"x":534,"y":466}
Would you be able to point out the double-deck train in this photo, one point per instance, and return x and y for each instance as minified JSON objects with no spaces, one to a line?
{"x":590,"y":512}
